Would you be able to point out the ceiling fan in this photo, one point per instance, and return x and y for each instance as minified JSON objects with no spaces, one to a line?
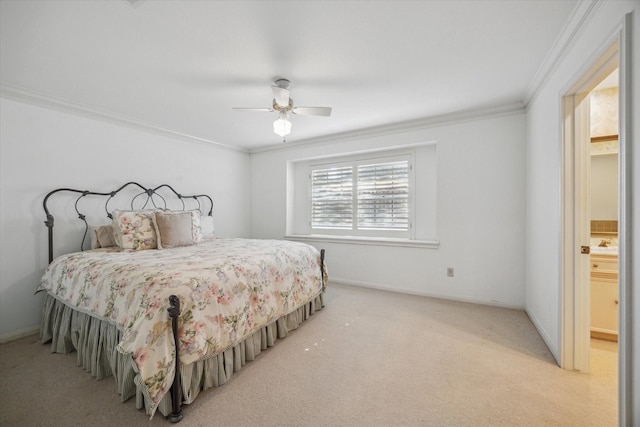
{"x":283,"y":105}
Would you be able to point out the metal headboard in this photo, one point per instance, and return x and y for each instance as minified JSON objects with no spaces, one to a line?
{"x":153,"y":199}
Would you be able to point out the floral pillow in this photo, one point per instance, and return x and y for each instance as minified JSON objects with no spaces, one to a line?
{"x":134,"y":230}
{"x":197,"y":225}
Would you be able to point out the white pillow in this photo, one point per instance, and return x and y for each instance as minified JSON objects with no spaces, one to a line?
{"x":206,"y":224}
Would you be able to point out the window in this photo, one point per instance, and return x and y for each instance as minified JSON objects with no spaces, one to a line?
{"x":382,"y":197}
{"x":363,"y":197}
{"x":332,"y":198}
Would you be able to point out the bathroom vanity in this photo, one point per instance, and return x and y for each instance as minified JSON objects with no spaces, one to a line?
{"x":604,"y":293}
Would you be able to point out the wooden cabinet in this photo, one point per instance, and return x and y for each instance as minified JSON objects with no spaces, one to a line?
{"x":604,"y":297}
{"x":604,"y":267}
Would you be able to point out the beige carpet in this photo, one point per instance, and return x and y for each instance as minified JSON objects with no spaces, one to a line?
{"x":369,"y":358}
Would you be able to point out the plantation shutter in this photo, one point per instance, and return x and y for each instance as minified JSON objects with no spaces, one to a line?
{"x":332,"y":197}
{"x":383,"y":196}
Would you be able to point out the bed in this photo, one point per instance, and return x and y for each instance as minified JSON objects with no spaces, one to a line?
{"x":154,"y":276}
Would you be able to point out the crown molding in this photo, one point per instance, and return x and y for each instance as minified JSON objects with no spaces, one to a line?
{"x":42,"y":100}
{"x":581,"y":14}
{"x":39,"y":99}
{"x":403,"y":127}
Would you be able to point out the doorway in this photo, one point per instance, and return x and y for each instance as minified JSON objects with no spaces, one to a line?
{"x":576,"y":221}
{"x":576,"y":242}
{"x":603,"y":215}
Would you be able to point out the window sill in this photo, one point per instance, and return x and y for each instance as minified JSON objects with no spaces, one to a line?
{"x":377,"y":241}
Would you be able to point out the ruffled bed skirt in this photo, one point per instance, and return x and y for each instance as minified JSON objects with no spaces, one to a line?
{"x":95,"y":341}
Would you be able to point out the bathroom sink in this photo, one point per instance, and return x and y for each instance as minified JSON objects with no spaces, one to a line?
{"x":610,"y":250}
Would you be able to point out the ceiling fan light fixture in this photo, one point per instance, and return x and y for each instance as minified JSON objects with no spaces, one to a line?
{"x":282,"y":104}
{"x":282,"y":126}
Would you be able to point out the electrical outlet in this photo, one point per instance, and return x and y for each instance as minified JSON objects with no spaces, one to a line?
{"x":450,"y":272}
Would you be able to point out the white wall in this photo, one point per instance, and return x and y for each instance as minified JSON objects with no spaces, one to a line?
{"x":480,"y":213}
{"x":42,"y":149}
{"x":604,"y":187}
{"x":543,"y":162}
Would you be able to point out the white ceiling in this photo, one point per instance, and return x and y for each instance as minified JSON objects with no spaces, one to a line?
{"x":182,"y":65}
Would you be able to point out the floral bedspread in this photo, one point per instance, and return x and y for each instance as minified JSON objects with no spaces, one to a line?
{"x":228,"y":288}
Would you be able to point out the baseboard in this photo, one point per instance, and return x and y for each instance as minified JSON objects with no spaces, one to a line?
{"x":448,"y":297}
{"x":12,"y":336}
{"x":545,"y":337}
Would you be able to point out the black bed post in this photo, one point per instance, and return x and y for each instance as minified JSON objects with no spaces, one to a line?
{"x":49,"y":224}
{"x":322,"y":267}
{"x":176,"y":388}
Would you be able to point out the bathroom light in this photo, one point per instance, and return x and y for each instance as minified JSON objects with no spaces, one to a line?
{"x":282,"y":126}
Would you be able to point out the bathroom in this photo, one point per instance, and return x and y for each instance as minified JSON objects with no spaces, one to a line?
{"x":604,"y":210}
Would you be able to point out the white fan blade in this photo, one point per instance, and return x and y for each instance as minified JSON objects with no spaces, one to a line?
{"x":312,"y":111}
{"x":281,"y":95}
{"x":268,"y":110}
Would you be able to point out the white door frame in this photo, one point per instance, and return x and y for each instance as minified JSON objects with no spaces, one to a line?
{"x":576,"y":165}
{"x":625,"y":165}
{"x":574,"y":321}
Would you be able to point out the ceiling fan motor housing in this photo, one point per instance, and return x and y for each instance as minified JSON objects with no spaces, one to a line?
{"x":283,"y":83}
{"x":282,"y":109}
